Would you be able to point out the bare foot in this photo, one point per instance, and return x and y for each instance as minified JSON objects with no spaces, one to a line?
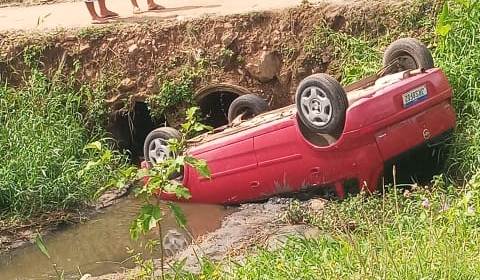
{"x":136,"y":10}
{"x":109,"y":14}
{"x":99,"y":20}
{"x":156,"y":7}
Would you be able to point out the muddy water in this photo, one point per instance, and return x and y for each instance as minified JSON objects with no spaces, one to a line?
{"x":100,"y":245}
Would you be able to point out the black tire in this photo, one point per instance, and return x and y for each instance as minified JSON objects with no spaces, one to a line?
{"x":250,"y":104}
{"x":405,"y":54}
{"x":162,"y":133}
{"x":331,"y":89}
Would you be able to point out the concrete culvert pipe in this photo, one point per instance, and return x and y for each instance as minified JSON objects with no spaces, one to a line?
{"x":214,"y":101}
{"x":130,"y":128}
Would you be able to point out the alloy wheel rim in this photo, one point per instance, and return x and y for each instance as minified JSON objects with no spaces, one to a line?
{"x":158,"y":150}
{"x":316,"y":106}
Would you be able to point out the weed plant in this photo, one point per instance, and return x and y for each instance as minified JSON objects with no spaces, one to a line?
{"x":175,"y":92}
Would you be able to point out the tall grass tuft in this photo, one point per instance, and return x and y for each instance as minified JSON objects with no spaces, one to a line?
{"x":458,"y":54}
{"x":42,"y":157}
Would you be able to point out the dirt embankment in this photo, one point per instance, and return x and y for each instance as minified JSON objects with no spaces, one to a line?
{"x":267,"y":53}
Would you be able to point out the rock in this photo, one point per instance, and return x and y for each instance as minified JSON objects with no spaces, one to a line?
{"x":199,"y":54}
{"x":116,"y":99}
{"x":300,"y":73}
{"x":84,"y":48}
{"x":174,"y":242}
{"x":132,"y":48}
{"x":267,"y":66}
{"x":228,"y":38}
{"x":126,"y":84}
{"x":141,"y":96}
{"x":317,"y":69}
{"x":281,"y":237}
{"x":70,"y":38}
{"x":285,"y":77}
{"x":312,"y":232}
{"x":317,"y":205}
{"x":86,"y":276}
{"x":111,"y":197}
{"x":241,"y":230}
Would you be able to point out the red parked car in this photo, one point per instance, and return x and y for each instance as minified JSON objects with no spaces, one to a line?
{"x":333,"y":137}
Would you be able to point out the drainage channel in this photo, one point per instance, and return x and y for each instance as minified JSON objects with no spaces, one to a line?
{"x":99,"y":246}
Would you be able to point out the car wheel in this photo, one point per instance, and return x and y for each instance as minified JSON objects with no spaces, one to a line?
{"x":322,"y":104}
{"x":250,"y":105}
{"x":405,"y":54}
{"x":156,"y":148}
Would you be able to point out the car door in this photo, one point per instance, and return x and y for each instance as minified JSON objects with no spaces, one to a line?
{"x":279,"y":161}
{"x":234,"y":172}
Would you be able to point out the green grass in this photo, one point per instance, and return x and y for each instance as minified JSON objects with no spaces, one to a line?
{"x":459,"y":56}
{"x":42,"y":135}
{"x":423,"y":234}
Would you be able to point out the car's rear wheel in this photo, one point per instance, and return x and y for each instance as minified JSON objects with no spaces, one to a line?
{"x":248,"y":105}
{"x":406,"y":54}
{"x":156,"y":148}
{"x":322,"y":104}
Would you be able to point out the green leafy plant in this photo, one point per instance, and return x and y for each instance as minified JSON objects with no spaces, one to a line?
{"x":175,"y":91}
{"x":159,"y":178}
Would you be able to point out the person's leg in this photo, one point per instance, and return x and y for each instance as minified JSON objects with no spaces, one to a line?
{"x":104,"y":12}
{"x":91,"y":10}
{"x":136,"y":8}
{"x":154,"y":6}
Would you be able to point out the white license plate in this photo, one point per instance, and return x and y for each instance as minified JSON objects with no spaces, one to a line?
{"x":415,"y":96}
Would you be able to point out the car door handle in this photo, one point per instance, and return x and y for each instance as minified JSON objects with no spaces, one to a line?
{"x":255,"y":184}
{"x":315,"y":170}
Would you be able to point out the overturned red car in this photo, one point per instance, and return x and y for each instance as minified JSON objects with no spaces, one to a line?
{"x":333,"y":138}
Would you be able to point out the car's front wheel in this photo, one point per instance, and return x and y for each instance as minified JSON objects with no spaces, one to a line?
{"x":156,"y":148}
{"x":321,"y":104}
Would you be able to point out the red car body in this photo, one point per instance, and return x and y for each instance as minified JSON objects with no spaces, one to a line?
{"x":270,"y":154}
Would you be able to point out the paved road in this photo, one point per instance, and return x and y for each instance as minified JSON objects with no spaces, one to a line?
{"x":75,"y":14}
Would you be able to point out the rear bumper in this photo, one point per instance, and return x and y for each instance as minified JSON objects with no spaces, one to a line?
{"x":420,"y":163}
{"x":427,"y":127}
{"x":438,"y":141}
